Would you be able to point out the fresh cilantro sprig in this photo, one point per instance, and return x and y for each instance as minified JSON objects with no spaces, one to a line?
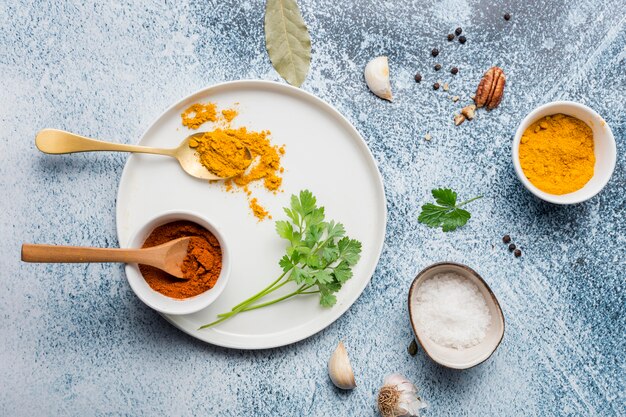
{"x":318,"y":259}
{"x":446,"y":214}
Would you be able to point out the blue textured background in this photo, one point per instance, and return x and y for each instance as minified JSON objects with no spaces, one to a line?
{"x":74,"y":340}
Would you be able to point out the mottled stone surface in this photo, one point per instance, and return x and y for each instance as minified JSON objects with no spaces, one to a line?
{"x":74,"y":340}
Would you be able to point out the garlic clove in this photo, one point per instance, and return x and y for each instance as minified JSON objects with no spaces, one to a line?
{"x":377,"y":77}
{"x":340,"y":370}
{"x":398,"y":397}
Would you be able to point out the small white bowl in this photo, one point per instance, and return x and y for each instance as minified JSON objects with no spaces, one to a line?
{"x":459,"y":358}
{"x":604,"y":149}
{"x":163,"y":303}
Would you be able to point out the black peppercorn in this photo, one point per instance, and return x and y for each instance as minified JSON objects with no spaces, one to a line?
{"x":507,"y":16}
{"x":435,"y":52}
{"x":418,"y":77}
{"x":458,"y":31}
{"x":437,"y":67}
{"x":512,"y":247}
{"x":450,"y":37}
{"x":436,"y":86}
{"x":454,"y":70}
{"x":413,"y":348}
{"x":462,"y":39}
{"x":506,"y":239}
{"x":517,"y":253}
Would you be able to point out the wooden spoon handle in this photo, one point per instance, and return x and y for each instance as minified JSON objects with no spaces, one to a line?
{"x":54,"y":141}
{"x":77,"y":254}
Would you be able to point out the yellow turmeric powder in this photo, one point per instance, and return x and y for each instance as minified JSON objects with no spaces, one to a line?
{"x":229,"y":114}
{"x":198,"y":113}
{"x":557,"y":154}
{"x":259,"y":212}
{"x":221,"y":152}
{"x":224,"y":151}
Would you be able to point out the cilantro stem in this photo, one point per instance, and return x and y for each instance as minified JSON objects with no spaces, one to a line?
{"x":212,"y":323}
{"x":469,"y":201}
{"x":301,"y":290}
{"x":242,"y":306}
{"x":247,"y":307}
{"x":263,"y":292}
{"x":284,"y":297}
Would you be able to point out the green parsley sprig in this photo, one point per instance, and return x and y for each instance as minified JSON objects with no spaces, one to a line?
{"x":319,"y":257}
{"x":446,"y":214}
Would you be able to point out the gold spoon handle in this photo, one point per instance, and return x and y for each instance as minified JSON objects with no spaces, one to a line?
{"x":56,"y":141}
{"x":78,"y":254}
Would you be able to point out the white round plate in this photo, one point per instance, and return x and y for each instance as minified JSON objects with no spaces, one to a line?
{"x":323,"y":153}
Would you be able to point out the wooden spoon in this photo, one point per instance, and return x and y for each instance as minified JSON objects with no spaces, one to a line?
{"x":168,"y":256}
{"x":54,"y":141}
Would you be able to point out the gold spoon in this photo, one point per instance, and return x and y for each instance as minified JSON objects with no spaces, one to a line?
{"x":167,"y":257}
{"x":54,"y":141}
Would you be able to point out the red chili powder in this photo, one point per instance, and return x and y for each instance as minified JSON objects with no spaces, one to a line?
{"x":201,"y":266}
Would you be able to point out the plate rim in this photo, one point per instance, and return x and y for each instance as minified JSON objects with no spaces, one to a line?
{"x":280,"y":88}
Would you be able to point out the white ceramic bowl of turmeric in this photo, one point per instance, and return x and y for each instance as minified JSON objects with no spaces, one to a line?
{"x":558,"y":158}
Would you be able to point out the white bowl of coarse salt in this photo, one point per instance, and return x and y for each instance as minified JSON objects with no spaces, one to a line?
{"x":455,"y":316}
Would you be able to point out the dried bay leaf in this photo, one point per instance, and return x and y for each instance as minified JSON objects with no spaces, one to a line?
{"x":287,"y":40}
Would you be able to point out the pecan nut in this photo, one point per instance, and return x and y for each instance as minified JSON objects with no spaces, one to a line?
{"x":458,"y":119}
{"x":469,"y":111}
{"x":490,"y":89}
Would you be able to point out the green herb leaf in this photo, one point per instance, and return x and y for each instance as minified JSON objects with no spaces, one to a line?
{"x":349,"y":250}
{"x":330,"y":253}
{"x":448,"y":215}
{"x":287,"y":40}
{"x":342,"y":272}
{"x":333,"y":286}
{"x":445,"y":197}
{"x":293,"y":215}
{"x":309,"y":278}
{"x":313,"y":234}
{"x":431,"y":214}
{"x":303,"y":250}
{"x":297,"y":274}
{"x":454,"y":219}
{"x":335,"y":230}
{"x":315,"y":218}
{"x":284,"y":229}
{"x":323,"y":276}
{"x":328,"y":300}
{"x":307,"y":202}
{"x":285,"y":263}
{"x":313,"y":261}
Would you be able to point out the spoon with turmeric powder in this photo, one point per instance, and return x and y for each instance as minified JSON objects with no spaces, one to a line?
{"x":168,"y":257}
{"x":54,"y":141}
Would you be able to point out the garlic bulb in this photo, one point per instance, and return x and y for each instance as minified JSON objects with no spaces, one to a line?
{"x":398,"y":397}
{"x":377,"y":77}
{"x":340,"y":370}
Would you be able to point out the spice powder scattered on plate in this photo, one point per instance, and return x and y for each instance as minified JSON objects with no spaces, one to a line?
{"x":223,"y":151}
{"x":197,"y":114}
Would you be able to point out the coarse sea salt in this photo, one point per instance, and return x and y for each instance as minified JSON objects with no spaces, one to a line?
{"x":451,"y":311}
